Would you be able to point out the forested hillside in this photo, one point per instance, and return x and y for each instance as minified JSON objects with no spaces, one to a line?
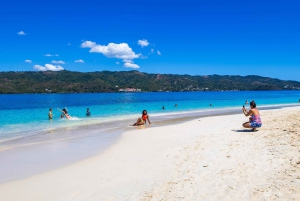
{"x":107,"y":81}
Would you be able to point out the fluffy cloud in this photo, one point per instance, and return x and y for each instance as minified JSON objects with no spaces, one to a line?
{"x":48,"y":67}
{"x":152,"y":50}
{"x":112,"y":50}
{"x":57,"y":62}
{"x":79,"y":61}
{"x":130,"y":65}
{"x":21,"y":33}
{"x":28,"y":61}
{"x":143,"y":43}
{"x":158,"y":52}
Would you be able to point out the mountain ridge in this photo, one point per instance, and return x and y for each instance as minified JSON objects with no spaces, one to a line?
{"x":112,"y":81}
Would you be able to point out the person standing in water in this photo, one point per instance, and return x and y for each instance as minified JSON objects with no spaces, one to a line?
{"x":88,"y":113}
{"x":246,"y":103}
{"x":50,"y":115}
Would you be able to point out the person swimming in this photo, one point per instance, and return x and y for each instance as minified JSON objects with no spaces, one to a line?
{"x":64,"y":113}
{"x":254,"y":120}
{"x":88,"y":113}
{"x":142,"y":120}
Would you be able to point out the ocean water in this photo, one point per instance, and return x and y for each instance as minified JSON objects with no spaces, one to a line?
{"x":26,"y":114}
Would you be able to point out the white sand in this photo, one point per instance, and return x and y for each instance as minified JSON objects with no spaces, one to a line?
{"x":204,"y":159}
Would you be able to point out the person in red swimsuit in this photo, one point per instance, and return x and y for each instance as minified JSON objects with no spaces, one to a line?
{"x":142,"y":120}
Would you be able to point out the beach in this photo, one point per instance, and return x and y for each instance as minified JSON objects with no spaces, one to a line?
{"x":209,"y":158}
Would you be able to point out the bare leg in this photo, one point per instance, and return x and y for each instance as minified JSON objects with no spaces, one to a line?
{"x":138,"y":122}
{"x":247,"y":125}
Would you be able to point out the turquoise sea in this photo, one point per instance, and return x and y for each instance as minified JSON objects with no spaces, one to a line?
{"x":26,"y":114}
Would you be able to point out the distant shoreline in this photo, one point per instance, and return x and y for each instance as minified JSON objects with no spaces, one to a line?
{"x":149,"y":92}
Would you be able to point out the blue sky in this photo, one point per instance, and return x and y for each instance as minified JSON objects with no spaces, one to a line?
{"x":178,"y":37}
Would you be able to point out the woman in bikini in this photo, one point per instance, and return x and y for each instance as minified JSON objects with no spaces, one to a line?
{"x":142,"y":120}
{"x":254,"y":120}
{"x":64,"y":113}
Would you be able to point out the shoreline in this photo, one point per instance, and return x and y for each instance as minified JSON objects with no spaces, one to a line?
{"x":194,"y":159}
{"x":110,"y":121}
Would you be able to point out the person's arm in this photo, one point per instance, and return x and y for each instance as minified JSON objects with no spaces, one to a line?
{"x":148,"y":119}
{"x":247,"y":113}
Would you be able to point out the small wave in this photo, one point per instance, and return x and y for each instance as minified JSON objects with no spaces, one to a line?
{"x":75,"y":119}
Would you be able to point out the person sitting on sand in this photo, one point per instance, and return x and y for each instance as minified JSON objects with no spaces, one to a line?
{"x":64,"y":113}
{"x":143,"y":120}
{"x":254,"y":120}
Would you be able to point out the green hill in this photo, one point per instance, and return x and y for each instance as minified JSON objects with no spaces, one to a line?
{"x":107,"y":81}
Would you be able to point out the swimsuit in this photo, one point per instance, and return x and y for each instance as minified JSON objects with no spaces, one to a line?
{"x":255,"y":121}
{"x":144,"y":118}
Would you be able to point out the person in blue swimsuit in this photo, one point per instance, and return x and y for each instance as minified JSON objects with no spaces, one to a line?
{"x":254,"y":120}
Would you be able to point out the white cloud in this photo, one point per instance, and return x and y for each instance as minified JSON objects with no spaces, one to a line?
{"x":112,"y":50}
{"x":57,"y":62}
{"x":28,"y":61}
{"x":143,"y":43}
{"x":131,"y":65}
{"x":152,"y":50}
{"x":158,"y":52}
{"x":79,"y":61}
{"x":69,"y":44}
{"x":48,"y":67}
{"x":117,"y":62}
{"x":51,"y":55}
{"x":21,"y":33}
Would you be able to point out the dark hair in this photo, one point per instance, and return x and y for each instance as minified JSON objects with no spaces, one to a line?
{"x":65,"y":110}
{"x":144,"y":111}
{"x":50,"y":109}
{"x":253,"y":104}
{"x":87,"y":109}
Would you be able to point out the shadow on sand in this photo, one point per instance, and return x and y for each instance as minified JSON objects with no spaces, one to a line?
{"x":244,"y":131}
